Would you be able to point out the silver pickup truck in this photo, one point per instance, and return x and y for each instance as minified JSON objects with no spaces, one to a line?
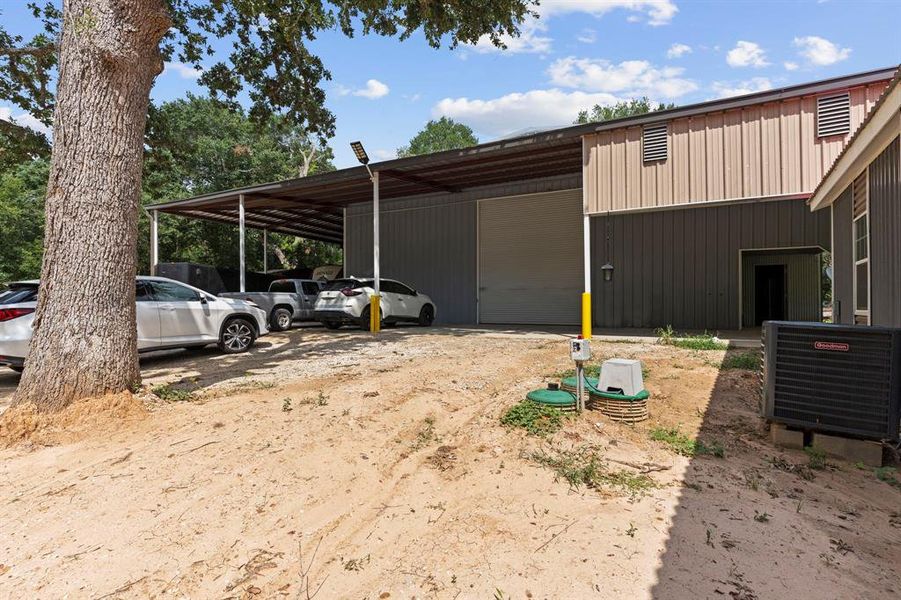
{"x":287,"y":301}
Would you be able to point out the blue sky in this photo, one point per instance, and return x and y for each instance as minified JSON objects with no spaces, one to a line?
{"x":578,"y":53}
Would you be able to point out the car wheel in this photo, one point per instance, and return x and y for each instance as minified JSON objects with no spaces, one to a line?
{"x":332,"y":324}
{"x":18,"y":369}
{"x":365,"y":318}
{"x":426,"y":315}
{"x":280,"y":320}
{"x":237,"y":336}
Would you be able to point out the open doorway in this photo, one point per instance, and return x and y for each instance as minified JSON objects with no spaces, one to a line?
{"x":769,"y":293}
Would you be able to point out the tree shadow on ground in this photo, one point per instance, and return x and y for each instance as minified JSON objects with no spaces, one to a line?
{"x":762,"y":522}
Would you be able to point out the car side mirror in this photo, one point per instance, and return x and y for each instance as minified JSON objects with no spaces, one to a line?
{"x":203,"y":300}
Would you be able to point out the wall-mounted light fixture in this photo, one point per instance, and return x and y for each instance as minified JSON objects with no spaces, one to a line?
{"x":607,"y":270}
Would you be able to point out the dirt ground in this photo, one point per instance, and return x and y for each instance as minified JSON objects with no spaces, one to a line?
{"x":372,"y":468}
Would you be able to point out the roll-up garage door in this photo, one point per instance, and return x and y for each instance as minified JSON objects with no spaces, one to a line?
{"x":530,"y":259}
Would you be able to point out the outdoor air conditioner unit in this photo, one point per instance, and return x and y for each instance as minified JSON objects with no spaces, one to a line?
{"x":833,"y":378}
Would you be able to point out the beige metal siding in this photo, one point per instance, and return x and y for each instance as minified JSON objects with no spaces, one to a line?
{"x":763,"y":150}
{"x":530,"y":259}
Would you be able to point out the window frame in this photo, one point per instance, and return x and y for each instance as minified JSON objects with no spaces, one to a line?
{"x":864,"y":314}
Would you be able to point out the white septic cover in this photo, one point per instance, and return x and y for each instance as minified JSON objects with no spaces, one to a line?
{"x":621,"y":374}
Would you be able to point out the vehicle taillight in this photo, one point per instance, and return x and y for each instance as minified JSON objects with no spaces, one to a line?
{"x":8,"y":314}
{"x":351,"y":292}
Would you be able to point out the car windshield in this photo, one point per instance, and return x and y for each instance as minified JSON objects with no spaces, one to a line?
{"x":339,"y":284}
{"x":19,"y":293}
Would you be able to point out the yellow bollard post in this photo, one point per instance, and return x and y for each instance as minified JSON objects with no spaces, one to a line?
{"x":586,"y":315}
{"x":375,"y":323}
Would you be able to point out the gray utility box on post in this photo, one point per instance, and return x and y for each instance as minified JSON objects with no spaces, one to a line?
{"x":833,"y":378}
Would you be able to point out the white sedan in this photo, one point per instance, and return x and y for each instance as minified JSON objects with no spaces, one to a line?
{"x":346,"y":301}
{"x":170,"y":314}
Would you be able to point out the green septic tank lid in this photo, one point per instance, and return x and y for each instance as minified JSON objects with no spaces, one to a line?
{"x":551,"y":397}
{"x":572,"y":381}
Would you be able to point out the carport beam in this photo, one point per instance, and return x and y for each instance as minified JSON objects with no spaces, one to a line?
{"x":241,"y":242}
{"x":154,"y":241}
{"x":374,"y":302}
{"x":586,"y":295}
{"x":265,"y":251}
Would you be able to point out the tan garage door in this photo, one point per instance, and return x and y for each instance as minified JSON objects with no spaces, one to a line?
{"x":530,"y":259}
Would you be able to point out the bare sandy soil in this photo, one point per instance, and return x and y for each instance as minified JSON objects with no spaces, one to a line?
{"x":377,"y":468}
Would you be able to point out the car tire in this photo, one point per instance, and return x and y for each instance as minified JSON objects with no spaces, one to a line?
{"x":238,"y":335}
{"x":280,"y":320}
{"x":426,"y":315}
{"x":332,"y":324}
{"x":365,"y":317}
{"x":18,"y":369}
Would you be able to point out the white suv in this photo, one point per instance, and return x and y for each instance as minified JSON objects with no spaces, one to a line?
{"x":170,"y":314}
{"x":346,"y":301}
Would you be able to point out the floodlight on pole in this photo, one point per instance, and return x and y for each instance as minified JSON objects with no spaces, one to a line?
{"x":375,"y":312}
{"x":360,"y":153}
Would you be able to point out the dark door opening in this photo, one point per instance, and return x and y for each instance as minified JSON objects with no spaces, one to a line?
{"x":769,"y":293}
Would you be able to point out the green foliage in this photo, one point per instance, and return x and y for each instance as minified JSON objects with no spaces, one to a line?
{"x":199,"y":145}
{"x":436,"y":136}
{"x":536,"y":419}
{"x":702,"y":341}
{"x":167,"y":393}
{"x":816,"y":458}
{"x":620,"y":110}
{"x":889,"y":475}
{"x":22,"y":191}
{"x":680,"y":443}
{"x":583,"y":466}
{"x":749,"y":361}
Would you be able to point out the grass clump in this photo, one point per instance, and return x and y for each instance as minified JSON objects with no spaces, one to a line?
{"x":748,"y":361}
{"x":888,"y":475}
{"x":703,"y":341}
{"x":816,"y":458}
{"x":584,"y":467}
{"x":167,"y":393}
{"x":680,"y":443}
{"x":536,"y":419}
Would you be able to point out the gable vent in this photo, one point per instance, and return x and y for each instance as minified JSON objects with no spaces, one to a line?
{"x":834,"y":115}
{"x":654,"y":142}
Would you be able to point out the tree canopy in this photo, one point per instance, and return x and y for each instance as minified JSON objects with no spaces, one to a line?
{"x":620,"y":110}
{"x":443,"y":134}
{"x":22,"y":189}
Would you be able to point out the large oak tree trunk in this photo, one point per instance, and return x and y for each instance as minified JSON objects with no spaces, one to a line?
{"x":84,"y":341}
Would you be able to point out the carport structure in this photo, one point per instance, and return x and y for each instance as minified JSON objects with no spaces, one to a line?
{"x":314,"y":207}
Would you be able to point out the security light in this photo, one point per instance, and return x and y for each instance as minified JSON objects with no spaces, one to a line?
{"x":607,"y":270}
{"x":360,"y":152}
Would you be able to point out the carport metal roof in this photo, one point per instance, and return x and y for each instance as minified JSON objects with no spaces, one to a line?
{"x":311,"y":207}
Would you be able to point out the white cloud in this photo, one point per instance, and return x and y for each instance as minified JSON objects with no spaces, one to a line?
{"x":374,"y":89}
{"x":820,"y":51}
{"x":530,"y":41}
{"x":747,"y":54}
{"x":725,"y":89}
{"x":630,"y":78}
{"x":678,"y":50}
{"x":790,"y":66}
{"x":588,"y":36}
{"x":183,"y":70}
{"x":657,"y":12}
{"x":512,"y":112}
{"x":24,"y":119}
{"x":383,"y":154}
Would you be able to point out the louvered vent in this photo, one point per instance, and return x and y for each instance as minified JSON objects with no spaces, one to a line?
{"x":653,"y":143}
{"x":833,"y":378}
{"x":859,"y":195}
{"x":834,"y":115}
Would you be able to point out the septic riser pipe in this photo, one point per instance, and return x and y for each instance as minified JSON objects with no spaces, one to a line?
{"x":586,"y":315}
{"x":375,"y":323}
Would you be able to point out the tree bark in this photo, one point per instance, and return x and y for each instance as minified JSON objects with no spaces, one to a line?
{"x":85,"y":341}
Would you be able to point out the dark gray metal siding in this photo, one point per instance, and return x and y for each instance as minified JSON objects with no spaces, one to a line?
{"x":681,"y":267}
{"x":842,"y":260}
{"x":430,"y":242}
{"x":803,"y":285}
{"x":885,"y":236}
